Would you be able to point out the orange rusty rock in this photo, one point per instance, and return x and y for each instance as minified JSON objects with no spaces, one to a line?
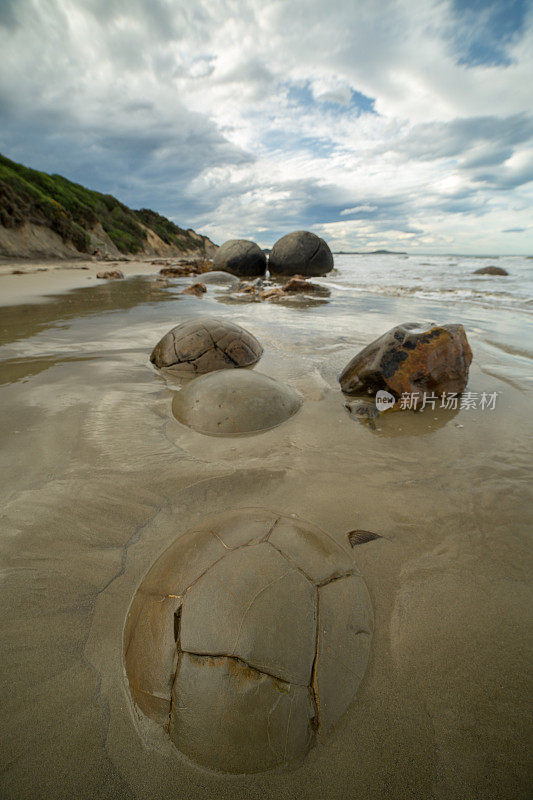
{"x":246,"y":288}
{"x":297,"y":284}
{"x":111,"y":274}
{"x":270,"y":294}
{"x":178,"y":271}
{"x":197,"y":289}
{"x":250,"y":287}
{"x":413,"y":359}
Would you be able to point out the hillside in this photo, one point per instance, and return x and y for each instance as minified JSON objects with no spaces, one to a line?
{"x":45,"y":215}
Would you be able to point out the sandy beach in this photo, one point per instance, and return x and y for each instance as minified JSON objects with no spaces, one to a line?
{"x":42,"y":277}
{"x":99,"y":479}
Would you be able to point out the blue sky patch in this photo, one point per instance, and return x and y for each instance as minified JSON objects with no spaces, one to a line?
{"x":484,"y":29}
{"x":302,"y":94}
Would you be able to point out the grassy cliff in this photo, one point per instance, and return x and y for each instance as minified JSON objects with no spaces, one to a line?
{"x":74,"y":213}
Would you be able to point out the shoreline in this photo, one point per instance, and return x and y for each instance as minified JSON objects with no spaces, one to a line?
{"x":42,"y":277}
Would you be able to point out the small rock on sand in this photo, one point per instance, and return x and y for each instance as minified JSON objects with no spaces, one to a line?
{"x":113,"y":274}
{"x":197,"y":289}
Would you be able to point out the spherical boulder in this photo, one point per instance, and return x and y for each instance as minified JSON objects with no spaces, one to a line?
{"x":218,"y":278}
{"x":247,"y":640}
{"x":302,"y":253}
{"x":240,"y":257}
{"x":204,"y":345}
{"x":238,"y":401}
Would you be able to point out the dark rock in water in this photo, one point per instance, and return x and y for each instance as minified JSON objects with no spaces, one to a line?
{"x":272,"y":293}
{"x":297,"y":288}
{"x":112,"y":274}
{"x":206,"y":344}
{"x":490,"y":271}
{"x":240,"y":257}
{"x":250,"y":287}
{"x":300,"y":252}
{"x":297,"y":284}
{"x":197,"y":289}
{"x":412,"y":358}
{"x":178,"y":271}
{"x":220,"y":643}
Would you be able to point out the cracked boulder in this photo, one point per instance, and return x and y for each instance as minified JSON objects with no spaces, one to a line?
{"x":237,"y":401}
{"x":413,"y":358}
{"x":204,"y":345}
{"x":248,"y":639}
{"x":300,"y":253}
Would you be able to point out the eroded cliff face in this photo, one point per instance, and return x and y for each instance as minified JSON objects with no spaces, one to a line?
{"x":31,"y":240}
{"x":48,"y":216}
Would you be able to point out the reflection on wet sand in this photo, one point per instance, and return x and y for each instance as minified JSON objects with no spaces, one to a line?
{"x":406,"y":423}
{"x":23,"y":321}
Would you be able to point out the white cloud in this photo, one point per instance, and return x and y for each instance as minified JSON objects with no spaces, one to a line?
{"x":254,"y":120}
{"x":357,"y":210}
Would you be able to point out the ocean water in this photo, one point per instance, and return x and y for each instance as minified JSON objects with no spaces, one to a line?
{"x":443,"y":279}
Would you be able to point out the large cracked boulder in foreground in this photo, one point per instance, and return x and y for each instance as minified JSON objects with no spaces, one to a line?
{"x":204,"y":345}
{"x":240,"y":257}
{"x":247,"y":640}
{"x":412,"y":358}
{"x":302,"y":253}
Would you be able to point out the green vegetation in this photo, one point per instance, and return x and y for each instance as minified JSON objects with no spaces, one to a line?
{"x":71,"y":210}
{"x":165,"y":229}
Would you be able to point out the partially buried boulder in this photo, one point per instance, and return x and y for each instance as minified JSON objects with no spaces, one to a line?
{"x":206,"y":344}
{"x":220,"y":278}
{"x":298,"y":285}
{"x":247,"y":640}
{"x":490,"y":271}
{"x":300,"y":252}
{"x":238,"y":401}
{"x":240,"y":257}
{"x":412,"y":358}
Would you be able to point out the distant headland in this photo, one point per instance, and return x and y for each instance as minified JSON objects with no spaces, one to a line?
{"x":369,"y":253}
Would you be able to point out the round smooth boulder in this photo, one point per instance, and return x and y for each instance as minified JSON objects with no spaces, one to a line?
{"x":247,"y":640}
{"x":219,"y":278}
{"x":240,"y":257}
{"x":204,"y":345}
{"x":225,"y":403}
{"x":302,"y":253}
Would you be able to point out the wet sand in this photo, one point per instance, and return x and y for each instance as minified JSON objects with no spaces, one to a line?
{"x":99,"y":478}
{"x":42,"y":277}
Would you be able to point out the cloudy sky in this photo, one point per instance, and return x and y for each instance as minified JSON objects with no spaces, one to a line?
{"x":403,"y":124}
